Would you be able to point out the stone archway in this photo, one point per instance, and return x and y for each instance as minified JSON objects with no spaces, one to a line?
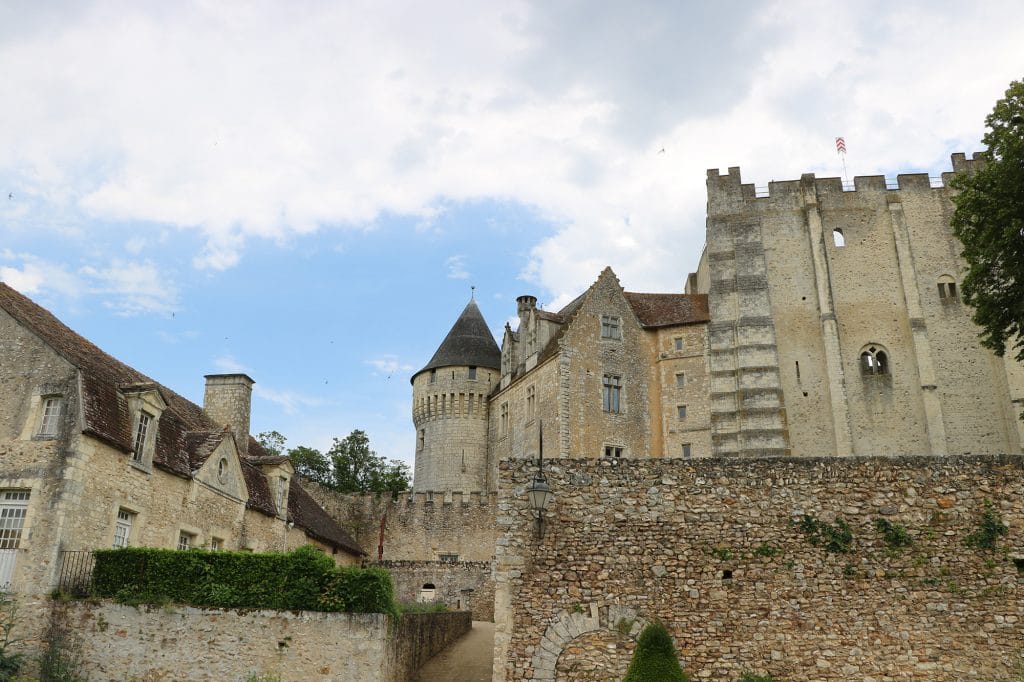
{"x":595,"y":656}
{"x":567,"y":649}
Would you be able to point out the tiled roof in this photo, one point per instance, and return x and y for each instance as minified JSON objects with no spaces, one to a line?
{"x":186,"y":436}
{"x":667,"y":310}
{"x":310,"y":517}
{"x":469,"y":343}
{"x":103,"y":405}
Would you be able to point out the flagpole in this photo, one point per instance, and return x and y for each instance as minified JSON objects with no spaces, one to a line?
{"x":841,"y":151}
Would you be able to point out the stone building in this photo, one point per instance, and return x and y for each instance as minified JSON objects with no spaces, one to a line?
{"x":837,"y":326}
{"x":94,"y":454}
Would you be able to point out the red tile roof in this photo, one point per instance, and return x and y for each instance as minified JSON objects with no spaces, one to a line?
{"x":668,"y":310}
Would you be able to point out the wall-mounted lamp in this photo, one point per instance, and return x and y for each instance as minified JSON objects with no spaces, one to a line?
{"x":539,"y":492}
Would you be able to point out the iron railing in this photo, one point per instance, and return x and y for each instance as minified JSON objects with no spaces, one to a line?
{"x":76,"y":567}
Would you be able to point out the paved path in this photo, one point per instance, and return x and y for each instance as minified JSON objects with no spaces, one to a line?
{"x":469,"y":659}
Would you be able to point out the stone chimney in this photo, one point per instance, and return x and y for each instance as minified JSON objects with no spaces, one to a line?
{"x":524,"y":304}
{"x":228,"y":401}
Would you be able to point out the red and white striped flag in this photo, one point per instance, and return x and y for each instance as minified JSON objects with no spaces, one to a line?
{"x":840,"y":145}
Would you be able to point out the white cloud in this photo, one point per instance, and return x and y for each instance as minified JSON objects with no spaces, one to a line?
{"x":289,"y":401}
{"x":389,"y":365}
{"x":34,"y":275}
{"x":246,"y":123}
{"x":228,"y":364}
{"x":132,"y":287}
{"x":457,"y":267}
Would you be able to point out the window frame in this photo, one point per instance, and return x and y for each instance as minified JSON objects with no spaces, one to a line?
{"x":680,"y":411}
{"x":680,"y":379}
{"x":141,"y":436}
{"x":687,"y":450}
{"x":611,"y":328}
{"x":186,"y":541}
{"x":614,"y":451}
{"x":471,"y":374}
{"x":611,"y":393}
{"x":125,"y":520}
{"x":677,"y":343}
{"x":49,"y":422}
{"x":531,"y":402}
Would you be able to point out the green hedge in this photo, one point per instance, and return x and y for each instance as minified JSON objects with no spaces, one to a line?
{"x":305,"y":580}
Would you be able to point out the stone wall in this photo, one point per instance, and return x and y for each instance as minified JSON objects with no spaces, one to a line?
{"x":714,"y":549}
{"x":462,"y":585}
{"x":119,"y":642}
{"x":418,"y":526}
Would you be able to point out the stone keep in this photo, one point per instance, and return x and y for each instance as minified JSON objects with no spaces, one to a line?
{"x":837,"y":327}
{"x":450,"y":408}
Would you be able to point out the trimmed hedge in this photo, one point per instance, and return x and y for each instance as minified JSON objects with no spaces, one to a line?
{"x":654,"y":659}
{"x":302,"y":580}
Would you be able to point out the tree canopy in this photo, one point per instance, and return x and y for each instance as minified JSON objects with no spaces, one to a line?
{"x":989,"y":221}
{"x":349,"y":466}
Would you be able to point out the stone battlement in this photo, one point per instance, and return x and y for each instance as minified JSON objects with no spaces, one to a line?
{"x":731,"y":182}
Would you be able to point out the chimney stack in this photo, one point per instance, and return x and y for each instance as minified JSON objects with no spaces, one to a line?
{"x":228,"y":401}
{"x":524,"y":304}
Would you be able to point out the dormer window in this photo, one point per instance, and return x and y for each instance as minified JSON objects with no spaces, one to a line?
{"x":49,"y":423}
{"x":141,"y":437}
{"x":145,"y":405}
{"x":282,"y":496}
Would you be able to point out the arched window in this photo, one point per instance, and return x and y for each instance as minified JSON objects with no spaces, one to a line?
{"x":837,"y":237}
{"x":874,"y":360}
{"x":947,"y":289}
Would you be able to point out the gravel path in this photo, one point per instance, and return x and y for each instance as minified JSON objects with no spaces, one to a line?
{"x":469,"y":659}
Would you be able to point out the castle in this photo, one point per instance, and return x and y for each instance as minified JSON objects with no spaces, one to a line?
{"x":822,"y":320}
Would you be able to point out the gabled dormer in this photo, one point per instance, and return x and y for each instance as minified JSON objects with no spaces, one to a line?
{"x":215,"y":456}
{"x":145,"y":407}
{"x":279,"y":472}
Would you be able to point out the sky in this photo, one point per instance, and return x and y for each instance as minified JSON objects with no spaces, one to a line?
{"x":307,"y":191}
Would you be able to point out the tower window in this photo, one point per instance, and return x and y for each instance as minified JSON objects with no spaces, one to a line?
{"x":472,"y":373}
{"x":680,"y":380}
{"x":677,"y":343}
{"x":681,"y":411}
{"x":874,"y":361}
{"x":687,"y":453}
{"x":837,"y":238}
{"x":433,"y":376}
{"x":947,"y":289}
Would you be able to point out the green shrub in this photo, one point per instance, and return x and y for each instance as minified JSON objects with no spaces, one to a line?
{"x":767,"y":550}
{"x":305,"y":579}
{"x":835,"y":537}
{"x":654,"y":659}
{"x":990,"y":529}
{"x":895,"y":535}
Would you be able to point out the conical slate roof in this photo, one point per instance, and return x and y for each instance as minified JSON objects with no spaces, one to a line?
{"x":469,"y":343}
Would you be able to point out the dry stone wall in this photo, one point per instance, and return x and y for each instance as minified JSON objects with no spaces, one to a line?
{"x":715,"y":549}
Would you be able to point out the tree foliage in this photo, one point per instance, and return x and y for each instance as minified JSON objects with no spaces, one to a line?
{"x":654,"y":659}
{"x":350,"y":466}
{"x":989,"y":221}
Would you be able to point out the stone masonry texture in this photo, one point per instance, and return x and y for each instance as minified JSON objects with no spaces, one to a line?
{"x":714,"y":549}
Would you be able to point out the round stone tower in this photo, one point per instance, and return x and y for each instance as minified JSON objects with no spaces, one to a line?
{"x":449,"y":407}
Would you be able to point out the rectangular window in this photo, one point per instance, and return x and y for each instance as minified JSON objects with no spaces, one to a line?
{"x":216,"y":545}
{"x":611,"y":327}
{"x":503,"y":426}
{"x":13,"y":506}
{"x":531,"y":402}
{"x":123,"y":528}
{"x":613,"y":451}
{"x":680,"y":380}
{"x":686,"y":451}
{"x":186,"y":540}
{"x":49,"y":425}
{"x":433,"y":376}
{"x":141,"y":429}
{"x":420,"y":437}
{"x":472,"y":373}
{"x":611,"y":393}
{"x":448,"y":558}
{"x":678,"y":342}
{"x":681,"y":411}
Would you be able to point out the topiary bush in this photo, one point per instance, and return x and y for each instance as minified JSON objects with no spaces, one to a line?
{"x":303,"y":580}
{"x":654,"y":659}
